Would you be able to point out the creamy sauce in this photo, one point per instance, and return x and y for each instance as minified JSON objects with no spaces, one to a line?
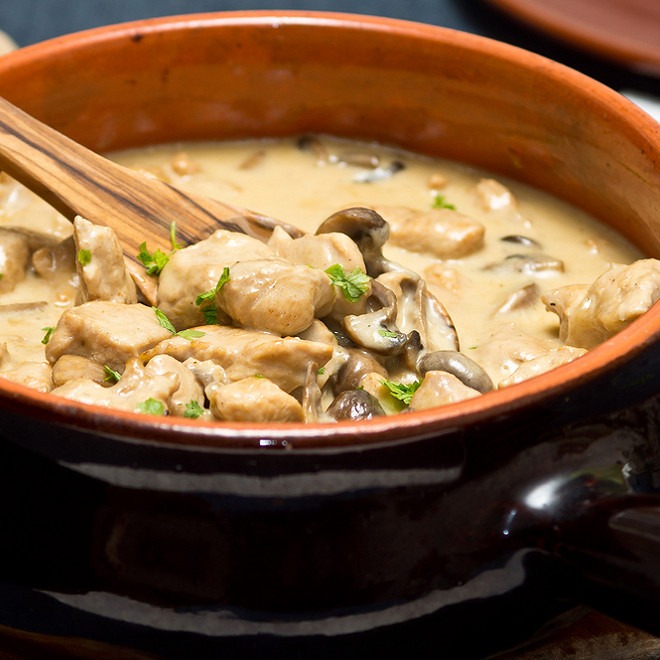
{"x":285,"y":182}
{"x":485,"y":287}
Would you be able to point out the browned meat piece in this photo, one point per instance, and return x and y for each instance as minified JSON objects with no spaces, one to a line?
{"x":106,"y":332}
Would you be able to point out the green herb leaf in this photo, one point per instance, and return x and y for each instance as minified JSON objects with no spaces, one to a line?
{"x":151,"y":407}
{"x":49,"y":330}
{"x":84,"y":257}
{"x":155,"y":261}
{"x":111,"y":376}
{"x":193,"y":410}
{"x":353,"y":284}
{"x":439,"y":202}
{"x":387,"y":333}
{"x":190,"y":334}
{"x":210,"y":314}
{"x":163,"y":320}
{"x":402,"y":391}
{"x":210,"y":294}
{"x":173,"y":243}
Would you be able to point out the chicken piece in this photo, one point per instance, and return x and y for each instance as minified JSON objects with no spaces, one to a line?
{"x":196,"y":269}
{"x":443,"y":233}
{"x":244,"y":353}
{"x":100,"y":264}
{"x":255,"y":400}
{"x":189,"y":389}
{"x":56,"y":263}
{"x":506,"y":349}
{"x":25,"y":213}
{"x":138,"y":390}
{"x":615,"y":299}
{"x":495,"y":196}
{"x":440,"y":388}
{"x":106,"y":332}
{"x":14,"y":259}
{"x":36,"y":375}
{"x":275,"y":296}
{"x":319,"y":331}
{"x":71,"y":367}
{"x":555,"y":357}
{"x":323,"y":251}
{"x":208,"y":374}
{"x":319,"y":251}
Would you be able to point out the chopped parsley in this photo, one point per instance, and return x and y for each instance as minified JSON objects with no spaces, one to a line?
{"x":173,"y":243}
{"x":402,"y":391}
{"x":164,"y":322}
{"x":353,"y":285}
{"x":210,"y":294}
{"x":387,"y":333}
{"x":49,"y":330}
{"x":439,"y":202}
{"x":190,"y":334}
{"x":193,"y":410}
{"x":155,"y":261}
{"x":111,"y":376}
{"x":151,"y":407}
{"x":84,"y":257}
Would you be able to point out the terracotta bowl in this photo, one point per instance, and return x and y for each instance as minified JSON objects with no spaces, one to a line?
{"x":417,"y":528}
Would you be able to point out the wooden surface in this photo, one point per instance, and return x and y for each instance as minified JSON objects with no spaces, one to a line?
{"x":591,"y":637}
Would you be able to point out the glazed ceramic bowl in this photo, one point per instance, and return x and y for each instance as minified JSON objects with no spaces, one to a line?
{"x":474,"y":523}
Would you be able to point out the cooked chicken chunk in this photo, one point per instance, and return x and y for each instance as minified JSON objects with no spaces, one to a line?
{"x":255,"y":400}
{"x":100,"y":263}
{"x":14,"y":259}
{"x":197,"y":268}
{"x":440,"y":388}
{"x":245,"y":353}
{"x":555,"y":357}
{"x":25,"y":213}
{"x":443,"y":233}
{"x":106,"y":332}
{"x":317,"y":250}
{"x":275,"y":296}
{"x":506,"y":349}
{"x":189,"y":389}
{"x":323,"y":251}
{"x":611,"y":303}
{"x":71,"y":367}
{"x":137,"y":387}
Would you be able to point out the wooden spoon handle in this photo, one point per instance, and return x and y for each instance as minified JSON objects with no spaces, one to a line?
{"x":77,"y":181}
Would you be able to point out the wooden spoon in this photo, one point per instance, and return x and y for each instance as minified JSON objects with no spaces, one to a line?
{"x":77,"y":181}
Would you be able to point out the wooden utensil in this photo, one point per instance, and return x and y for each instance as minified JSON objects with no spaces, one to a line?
{"x":77,"y":181}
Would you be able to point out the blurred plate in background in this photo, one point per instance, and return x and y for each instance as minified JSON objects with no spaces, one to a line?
{"x":624,"y":31}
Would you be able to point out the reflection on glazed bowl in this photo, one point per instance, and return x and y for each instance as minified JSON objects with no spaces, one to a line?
{"x":396,"y":524}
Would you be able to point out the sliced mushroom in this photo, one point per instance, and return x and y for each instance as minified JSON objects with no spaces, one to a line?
{"x":311,"y":394}
{"x":520,"y":299}
{"x":519,"y":239}
{"x":376,"y":330}
{"x":368,"y":230}
{"x":359,"y":363}
{"x":313,"y":144}
{"x":418,"y":309}
{"x":354,"y":405}
{"x":529,"y":264}
{"x":380,"y":173}
{"x":469,"y":372}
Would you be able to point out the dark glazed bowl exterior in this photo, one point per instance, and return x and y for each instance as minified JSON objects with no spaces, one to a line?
{"x":471,"y":524}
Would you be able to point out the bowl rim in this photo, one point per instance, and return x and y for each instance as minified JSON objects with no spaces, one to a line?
{"x":128,"y":426}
